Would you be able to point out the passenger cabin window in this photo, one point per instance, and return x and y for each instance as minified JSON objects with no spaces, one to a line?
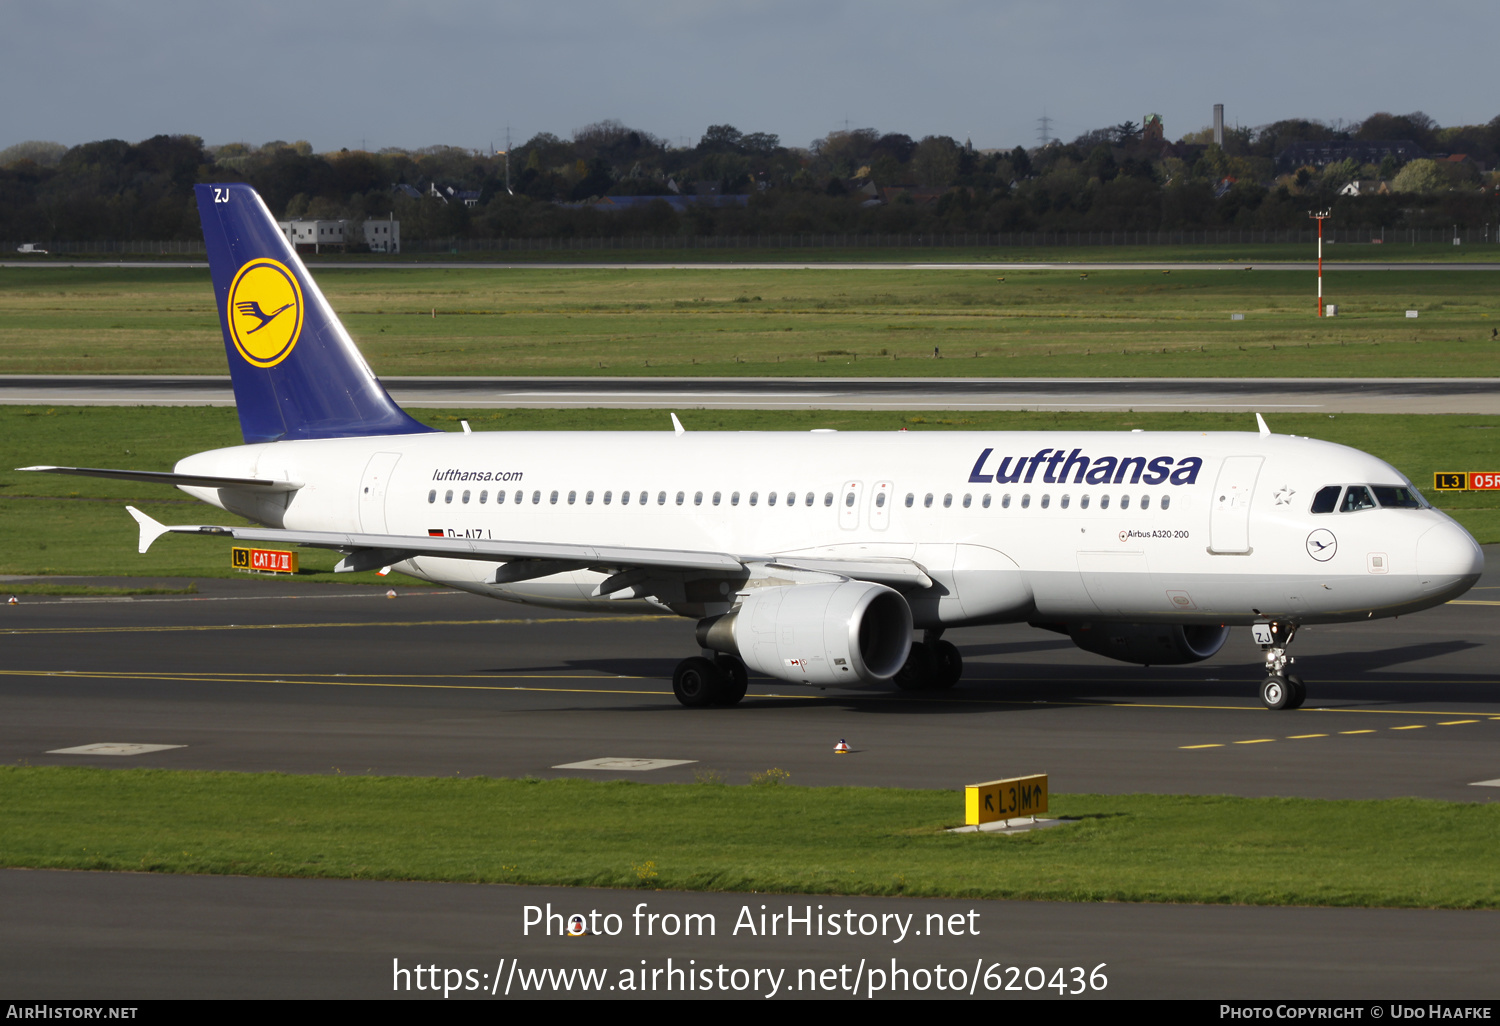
{"x":910,"y":498}
{"x":1046,"y":501}
{"x":754,"y":498}
{"x":680,"y":497}
{"x":1083,"y":501}
{"x":1005,"y":501}
{"x":624,"y":498}
{"x":607,"y":497}
{"x":927,"y":500}
{"x":466,"y":497}
{"x":771,"y":498}
{"x":879,"y":500}
{"x":1166,"y":500}
{"x":552,"y":499}
{"x":1063,"y":502}
{"x":536,"y":498}
{"x":1026,"y":501}
{"x":948,"y":500}
{"x":1327,"y":499}
{"x":734,"y":498}
{"x":484,"y":496}
{"x":572,"y":498}
{"x":661,"y":498}
{"x":717,"y":497}
{"x":810,"y":499}
{"x":1356,"y":497}
{"x":641,"y":499}
{"x":985,"y":502}
{"x":697,"y":498}
{"x":1124,"y":502}
{"x":1104,"y":502}
{"x":448,"y":495}
{"x":828,"y":499}
{"x":588,"y":498}
{"x":432,"y":495}
{"x":1145,"y":502}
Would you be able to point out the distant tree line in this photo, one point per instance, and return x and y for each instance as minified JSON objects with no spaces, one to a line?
{"x":858,"y":181}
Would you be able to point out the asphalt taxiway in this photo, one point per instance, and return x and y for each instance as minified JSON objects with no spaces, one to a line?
{"x":1266,"y":395}
{"x":322,"y":678}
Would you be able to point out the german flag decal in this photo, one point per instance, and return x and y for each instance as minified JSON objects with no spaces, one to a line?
{"x":434,"y":532}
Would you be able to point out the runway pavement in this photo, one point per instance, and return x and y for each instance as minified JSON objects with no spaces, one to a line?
{"x":795,"y":265}
{"x":258,"y":674}
{"x":1265,"y":395}
{"x":130,"y":936}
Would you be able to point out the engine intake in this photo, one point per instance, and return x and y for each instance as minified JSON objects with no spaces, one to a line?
{"x":849,"y":632}
{"x":1149,"y":644}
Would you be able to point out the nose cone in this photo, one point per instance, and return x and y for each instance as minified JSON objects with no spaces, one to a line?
{"x":1448,"y":559}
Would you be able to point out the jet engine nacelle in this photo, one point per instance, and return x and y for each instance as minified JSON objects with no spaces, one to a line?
{"x":845,"y":632}
{"x":1148,"y":643}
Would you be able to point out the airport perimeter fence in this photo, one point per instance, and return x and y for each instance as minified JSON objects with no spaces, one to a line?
{"x":839,"y":240}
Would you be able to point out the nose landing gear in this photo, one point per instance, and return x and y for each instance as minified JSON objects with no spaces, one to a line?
{"x":1280,"y":689}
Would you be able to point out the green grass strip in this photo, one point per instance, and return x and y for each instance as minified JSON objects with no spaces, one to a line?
{"x":782,"y":838}
{"x":90,"y":589}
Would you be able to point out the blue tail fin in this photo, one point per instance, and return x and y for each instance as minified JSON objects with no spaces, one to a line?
{"x":296,"y":371}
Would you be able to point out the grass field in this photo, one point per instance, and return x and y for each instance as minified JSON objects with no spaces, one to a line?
{"x":1117,"y":323}
{"x":690,"y":250}
{"x":75,"y":525}
{"x":778,"y":838}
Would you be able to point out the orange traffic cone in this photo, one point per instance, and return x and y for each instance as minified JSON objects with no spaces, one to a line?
{"x":842,"y":748}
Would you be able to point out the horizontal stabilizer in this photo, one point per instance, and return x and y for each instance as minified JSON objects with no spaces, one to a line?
{"x":180,"y":480}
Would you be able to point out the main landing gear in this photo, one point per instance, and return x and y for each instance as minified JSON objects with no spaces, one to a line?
{"x":1280,"y":689}
{"x":698,"y":681}
{"x":932,"y":665}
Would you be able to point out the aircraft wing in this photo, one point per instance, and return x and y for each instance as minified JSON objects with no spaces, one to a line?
{"x":163,"y":477}
{"x":525,"y":560}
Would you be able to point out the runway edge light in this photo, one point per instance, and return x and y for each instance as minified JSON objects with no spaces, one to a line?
{"x":1005,"y":799}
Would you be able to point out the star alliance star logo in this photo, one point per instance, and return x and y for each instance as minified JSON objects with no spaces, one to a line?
{"x":1284,"y":496}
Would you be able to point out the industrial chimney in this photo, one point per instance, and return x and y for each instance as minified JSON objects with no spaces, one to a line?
{"x":1219,"y":125}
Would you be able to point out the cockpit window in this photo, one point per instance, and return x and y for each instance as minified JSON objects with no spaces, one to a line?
{"x":1327,"y":499}
{"x":1401,"y":498}
{"x":1356,"y":497}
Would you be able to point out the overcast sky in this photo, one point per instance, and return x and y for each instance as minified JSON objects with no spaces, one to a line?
{"x":399,"y":73}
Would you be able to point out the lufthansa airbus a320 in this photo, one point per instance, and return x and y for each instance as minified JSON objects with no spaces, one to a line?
{"x":821,"y":558}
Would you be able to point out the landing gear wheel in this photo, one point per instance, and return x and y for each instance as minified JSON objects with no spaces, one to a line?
{"x":948,"y":666}
{"x":734,"y":680}
{"x":697,"y":682}
{"x":1276,"y":692}
{"x":918,"y":669}
{"x":1299,"y":692}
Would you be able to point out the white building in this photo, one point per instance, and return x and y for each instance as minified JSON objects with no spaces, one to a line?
{"x":316,"y":234}
{"x":383,"y":236}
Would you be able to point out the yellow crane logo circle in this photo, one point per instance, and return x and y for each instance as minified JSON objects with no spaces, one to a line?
{"x":265,"y":312}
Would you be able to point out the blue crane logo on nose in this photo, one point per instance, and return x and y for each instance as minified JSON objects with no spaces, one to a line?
{"x":1321,"y":545}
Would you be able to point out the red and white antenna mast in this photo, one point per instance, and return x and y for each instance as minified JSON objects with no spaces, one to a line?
{"x":1320,"y":216}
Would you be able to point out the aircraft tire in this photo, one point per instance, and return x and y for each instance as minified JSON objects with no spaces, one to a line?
{"x":1299,"y":692}
{"x":735,"y":680}
{"x":918,"y":670}
{"x":697,"y":682}
{"x":948,"y":666}
{"x":1276,"y":692}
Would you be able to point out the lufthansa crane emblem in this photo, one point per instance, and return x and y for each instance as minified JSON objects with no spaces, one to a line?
{"x":1321,"y":545}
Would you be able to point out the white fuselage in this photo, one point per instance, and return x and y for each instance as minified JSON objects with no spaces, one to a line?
{"x":1181,"y":527}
